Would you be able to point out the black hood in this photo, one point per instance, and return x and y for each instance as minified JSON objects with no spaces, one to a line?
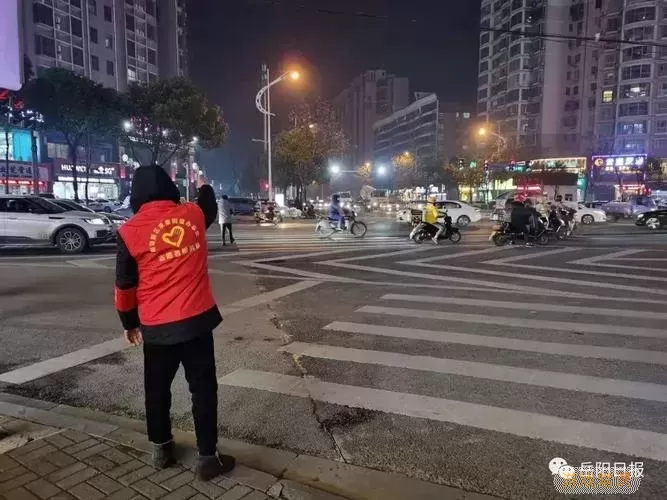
{"x":152,"y":183}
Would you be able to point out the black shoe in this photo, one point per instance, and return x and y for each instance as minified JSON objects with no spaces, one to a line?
{"x":163,"y":455}
{"x":213,"y":466}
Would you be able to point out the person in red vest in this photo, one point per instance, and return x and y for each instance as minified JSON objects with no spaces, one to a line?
{"x":164,"y":300}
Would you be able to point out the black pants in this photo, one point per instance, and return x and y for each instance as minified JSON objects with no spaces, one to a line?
{"x":227,"y":226}
{"x":161,"y":363}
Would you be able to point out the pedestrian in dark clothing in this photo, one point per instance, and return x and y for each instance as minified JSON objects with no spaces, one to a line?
{"x":164,"y":299}
{"x":225,"y":219}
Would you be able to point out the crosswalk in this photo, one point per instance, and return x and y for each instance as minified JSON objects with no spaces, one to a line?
{"x":290,"y":243}
{"x":576,"y":346}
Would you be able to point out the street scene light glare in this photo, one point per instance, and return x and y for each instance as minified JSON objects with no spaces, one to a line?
{"x":382,"y":170}
{"x":127,"y":125}
{"x":335,"y":169}
{"x":482,"y":131}
{"x":294,"y":75}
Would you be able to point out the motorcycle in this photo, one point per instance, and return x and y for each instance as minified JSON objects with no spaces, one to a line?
{"x":504,"y":235}
{"x":423,"y":231}
{"x":269,"y":217}
{"x":326,"y":227}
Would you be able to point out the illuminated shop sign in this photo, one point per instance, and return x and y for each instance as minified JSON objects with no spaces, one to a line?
{"x":619,"y":163}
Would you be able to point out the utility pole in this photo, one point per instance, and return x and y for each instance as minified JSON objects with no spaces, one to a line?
{"x":8,"y":126}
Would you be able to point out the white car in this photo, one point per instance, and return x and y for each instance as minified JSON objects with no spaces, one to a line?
{"x":587,"y":215}
{"x":461,"y":213}
{"x":35,"y":221}
{"x":102,"y":205}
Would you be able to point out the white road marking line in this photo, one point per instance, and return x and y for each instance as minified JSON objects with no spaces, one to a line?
{"x":538,"y":324}
{"x":606,"y":256}
{"x":641,"y":259}
{"x":54,"y":365}
{"x":464,"y":254}
{"x":381,"y":255}
{"x":592,"y":273}
{"x":278,"y":293}
{"x":548,"y":279}
{"x":296,"y":272}
{"x":91,"y":263}
{"x":526,"y":306}
{"x":513,"y":344}
{"x":489,"y":371}
{"x":532,"y":255}
{"x":604,"y":437}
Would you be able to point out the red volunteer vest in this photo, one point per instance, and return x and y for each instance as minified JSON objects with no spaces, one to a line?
{"x":168,"y":242}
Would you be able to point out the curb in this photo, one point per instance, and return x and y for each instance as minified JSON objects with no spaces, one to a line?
{"x":291,"y":476}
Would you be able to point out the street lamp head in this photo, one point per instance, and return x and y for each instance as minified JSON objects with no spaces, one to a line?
{"x":294,"y":75}
{"x":482,"y":131}
{"x":335,"y":168}
{"x":127,"y":125}
{"x":195,"y":140}
{"x":382,"y":170}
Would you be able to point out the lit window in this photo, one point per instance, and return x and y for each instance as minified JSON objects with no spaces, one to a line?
{"x":607,"y":96}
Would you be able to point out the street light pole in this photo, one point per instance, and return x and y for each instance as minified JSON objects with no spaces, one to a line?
{"x":263,"y":104}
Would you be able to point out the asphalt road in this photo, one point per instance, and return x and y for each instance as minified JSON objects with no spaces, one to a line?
{"x":466,"y":365}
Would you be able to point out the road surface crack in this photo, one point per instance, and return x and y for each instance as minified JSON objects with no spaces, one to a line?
{"x":296,"y":359}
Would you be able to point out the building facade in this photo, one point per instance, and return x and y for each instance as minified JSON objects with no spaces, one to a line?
{"x":114,"y":42}
{"x":371,"y":96}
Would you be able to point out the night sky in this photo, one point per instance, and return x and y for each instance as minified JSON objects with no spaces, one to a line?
{"x":432,"y":42}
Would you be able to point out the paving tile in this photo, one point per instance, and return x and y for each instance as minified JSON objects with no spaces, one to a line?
{"x":149,"y":489}
{"x":19,"y":494}
{"x":62,"y":496}
{"x":27,"y":448}
{"x":100,"y":463}
{"x":84,"y":491}
{"x":42,"y":488}
{"x":17,"y":481}
{"x":12,"y":473}
{"x":75,"y":436}
{"x":59,"y":441}
{"x":35,"y":454}
{"x":81,"y":476}
{"x":105,"y":484}
{"x":124,"y":494}
{"x":199,"y":496}
{"x":255,"y":479}
{"x":59,"y":459}
{"x":41,"y":467}
{"x":256,"y":495}
{"x":177,"y":481}
{"x":225,"y":482}
{"x":208,"y":488}
{"x":182,"y":493}
{"x":80,"y":446}
{"x":127,"y":467}
{"x":165,"y":474}
{"x":117,"y":456}
{"x":89,"y":452}
{"x":236,"y":493}
{"x":137,"y":474}
{"x":65,"y":472}
{"x":7,"y":463}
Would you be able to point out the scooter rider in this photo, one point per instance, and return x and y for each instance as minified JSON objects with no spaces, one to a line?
{"x":430,"y":216}
{"x":336,"y":212}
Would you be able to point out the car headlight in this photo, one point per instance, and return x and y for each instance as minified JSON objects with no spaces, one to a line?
{"x":282,"y":211}
{"x":95,"y":222}
{"x":641,"y":216}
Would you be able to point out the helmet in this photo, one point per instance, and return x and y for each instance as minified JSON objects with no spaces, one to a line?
{"x":335,"y":198}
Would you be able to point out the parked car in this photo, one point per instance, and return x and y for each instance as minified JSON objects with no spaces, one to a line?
{"x":586,"y":215}
{"x":654,"y":220}
{"x":461,"y":213}
{"x":114,"y":218}
{"x":634,"y":206}
{"x":242,"y":206}
{"x":102,"y":205}
{"x":35,"y":221}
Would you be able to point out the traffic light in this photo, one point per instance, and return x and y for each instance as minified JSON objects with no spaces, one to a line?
{"x":461,"y":163}
{"x":486,"y":166}
{"x":473,"y":164}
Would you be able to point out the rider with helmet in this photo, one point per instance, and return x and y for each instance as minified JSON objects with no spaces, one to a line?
{"x":336,"y":211}
{"x":430,"y":216}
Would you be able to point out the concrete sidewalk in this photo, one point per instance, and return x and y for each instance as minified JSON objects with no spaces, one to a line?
{"x":61,"y":452}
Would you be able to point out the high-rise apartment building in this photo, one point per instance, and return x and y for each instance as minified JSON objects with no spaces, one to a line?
{"x":113,"y":42}
{"x":541,"y":93}
{"x":373,"y":95}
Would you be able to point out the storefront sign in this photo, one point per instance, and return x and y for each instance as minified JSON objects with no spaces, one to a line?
{"x":613,"y":163}
{"x":98,"y":170}
{"x":16,"y":170}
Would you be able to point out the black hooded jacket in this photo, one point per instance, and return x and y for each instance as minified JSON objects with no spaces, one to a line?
{"x":155,"y":201}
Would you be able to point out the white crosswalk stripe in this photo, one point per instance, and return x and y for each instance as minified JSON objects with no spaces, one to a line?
{"x":617,"y":355}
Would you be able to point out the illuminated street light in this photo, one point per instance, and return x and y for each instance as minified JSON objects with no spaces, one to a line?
{"x":382,"y":170}
{"x":335,"y":168}
{"x":127,"y":125}
{"x":264,"y":97}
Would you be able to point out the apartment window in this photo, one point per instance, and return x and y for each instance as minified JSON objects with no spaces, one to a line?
{"x":636,"y":71}
{"x":129,"y":22}
{"x":92,"y":7}
{"x":77,"y":56}
{"x":483,"y":66}
{"x":93,"y":35}
{"x":45,"y":46}
{"x":567,"y":90}
{"x":131,"y":74}
{"x":150,"y":31}
{"x":607,"y":96}
{"x":108,"y":13}
{"x":607,"y":113}
{"x":56,"y":150}
{"x":640,"y":14}
{"x":637,"y":52}
{"x":577,"y":59}
{"x":94,"y":63}
{"x":516,"y":19}
{"x":575,"y":90}
{"x":75,"y":3}
{"x":661,"y":126}
{"x":150,"y":7}
{"x":110,"y":68}
{"x":632,"y":128}
{"x":609,"y":60}
{"x":483,"y":94}
{"x":606,"y":129}
{"x":613,"y":24}
{"x":129,"y":2}
{"x":131,"y":49}
{"x":517,"y":4}
{"x":641,"y":33}
{"x":152,"y":56}
{"x":633,"y":109}
{"x":662,"y":88}
{"x":633,"y":146}
{"x":42,"y":14}
{"x":515,"y":50}
{"x":482,"y":80}
{"x":484,"y":53}
{"x":77,"y":27}
{"x":484,"y":38}
{"x":108,"y":42}
{"x":635,"y":90}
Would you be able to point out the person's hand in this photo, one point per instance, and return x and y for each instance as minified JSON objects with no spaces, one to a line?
{"x":134,"y":337}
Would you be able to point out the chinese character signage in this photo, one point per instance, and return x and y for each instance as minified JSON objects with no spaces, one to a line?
{"x":599,"y":478}
{"x":619,"y":163}
{"x":16,"y":170}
